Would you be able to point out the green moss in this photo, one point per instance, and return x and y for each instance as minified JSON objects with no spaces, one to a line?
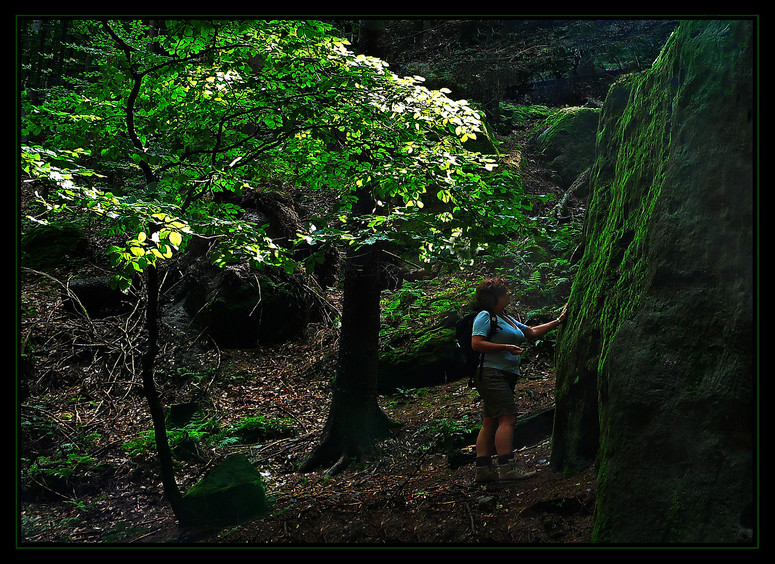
{"x":567,"y":121}
{"x":230,"y":493}
{"x":420,"y":344}
{"x":673,"y":519}
{"x":633,"y":143}
{"x":612,"y":274}
{"x":514,"y":116}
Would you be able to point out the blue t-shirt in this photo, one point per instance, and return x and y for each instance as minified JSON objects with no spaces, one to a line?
{"x":505,"y":334}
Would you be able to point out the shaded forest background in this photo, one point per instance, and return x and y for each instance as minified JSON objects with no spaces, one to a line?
{"x":525,"y":61}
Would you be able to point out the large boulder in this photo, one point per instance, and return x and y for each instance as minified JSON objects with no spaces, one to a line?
{"x":430,"y":358}
{"x":241,"y":307}
{"x":231,"y":493}
{"x":96,"y":297}
{"x":45,"y":247}
{"x":655,"y":367}
{"x":568,"y":142}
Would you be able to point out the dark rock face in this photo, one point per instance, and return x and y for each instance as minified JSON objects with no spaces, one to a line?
{"x":655,"y":367}
{"x":566,"y":144}
{"x":241,"y":308}
{"x":48,"y":246}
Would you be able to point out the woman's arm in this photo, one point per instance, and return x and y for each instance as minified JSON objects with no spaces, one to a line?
{"x":482,"y":345}
{"x":539,"y":331}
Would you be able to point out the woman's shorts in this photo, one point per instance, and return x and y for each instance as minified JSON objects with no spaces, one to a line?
{"x":496,"y":388}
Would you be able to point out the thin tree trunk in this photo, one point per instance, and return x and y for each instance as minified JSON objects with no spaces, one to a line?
{"x":167,"y":471}
{"x":171,"y":490}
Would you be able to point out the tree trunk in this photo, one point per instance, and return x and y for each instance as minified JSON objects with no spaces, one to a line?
{"x":171,"y":490}
{"x":355,"y":420}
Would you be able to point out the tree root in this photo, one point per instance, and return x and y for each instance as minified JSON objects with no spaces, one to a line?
{"x":343,"y":462}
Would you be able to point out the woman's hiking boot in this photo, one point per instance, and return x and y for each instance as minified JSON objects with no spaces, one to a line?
{"x":485,"y":474}
{"x":510,"y":471}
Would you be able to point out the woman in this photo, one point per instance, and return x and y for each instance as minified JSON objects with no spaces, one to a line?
{"x":498,"y":378}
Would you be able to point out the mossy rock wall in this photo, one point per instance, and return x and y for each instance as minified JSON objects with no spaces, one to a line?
{"x":568,"y":144}
{"x":655,"y":367}
{"x":431,"y":358}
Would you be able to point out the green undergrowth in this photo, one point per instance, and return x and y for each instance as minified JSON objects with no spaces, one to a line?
{"x":208,"y":431}
{"x":78,"y":460}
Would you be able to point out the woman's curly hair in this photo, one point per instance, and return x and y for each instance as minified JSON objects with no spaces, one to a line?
{"x":489,"y":291}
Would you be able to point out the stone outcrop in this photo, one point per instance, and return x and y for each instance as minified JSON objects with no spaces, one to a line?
{"x":656,"y":365}
{"x":566,"y":142}
{"x":241,"y":307}
{"x":49,"y":246}
{"x":232,"y":492}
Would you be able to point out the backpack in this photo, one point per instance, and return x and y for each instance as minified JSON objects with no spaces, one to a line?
{"x":463,"y":330}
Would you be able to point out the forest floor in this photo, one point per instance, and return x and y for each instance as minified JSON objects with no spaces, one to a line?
{"x":405,"y":494}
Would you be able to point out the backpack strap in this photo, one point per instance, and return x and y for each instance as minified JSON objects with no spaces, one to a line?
{"x":490,"y":333}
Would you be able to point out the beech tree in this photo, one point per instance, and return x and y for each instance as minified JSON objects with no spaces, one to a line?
{"x":199,"y":108}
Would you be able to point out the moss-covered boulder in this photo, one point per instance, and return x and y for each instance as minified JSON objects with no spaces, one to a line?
{"x":484,"y":142}
{"x":655,"y":367}
{"x":417,"y":340}
{"x":232,"y":492}
{"x":48,"y":246}
{"x":568,"y":142}
{"x":430,"y":358}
